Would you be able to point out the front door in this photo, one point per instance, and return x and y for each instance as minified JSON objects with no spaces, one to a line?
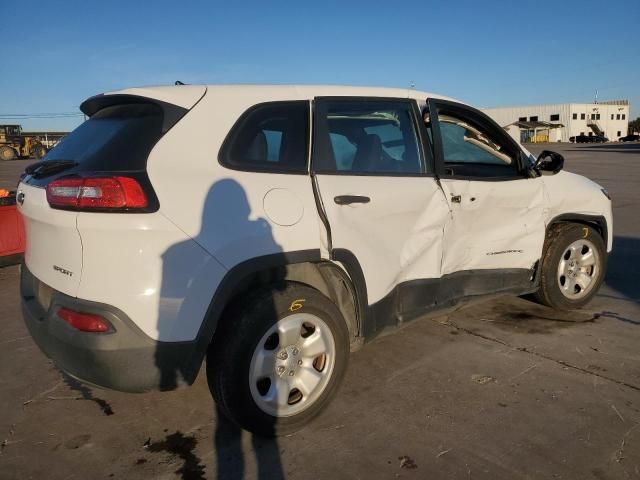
{"x":497,"y":223}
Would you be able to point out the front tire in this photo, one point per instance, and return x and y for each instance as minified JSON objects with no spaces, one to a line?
{"x":278,"y":358}
{"x":572,"y":267}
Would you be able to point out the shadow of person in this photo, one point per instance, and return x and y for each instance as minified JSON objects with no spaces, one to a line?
{"x":229,"y":452}
{"x":227,"y":442}
{"x":228,"y":230}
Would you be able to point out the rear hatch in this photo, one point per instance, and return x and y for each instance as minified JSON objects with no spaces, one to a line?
{"x":114,"y":142}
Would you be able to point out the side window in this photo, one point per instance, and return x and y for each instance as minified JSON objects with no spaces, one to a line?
{"x":274,"y":142}
{"x":471,"y":150}
{"x":343,"y":150}
{"x":269,"y":137}
{"x":374,"y":137}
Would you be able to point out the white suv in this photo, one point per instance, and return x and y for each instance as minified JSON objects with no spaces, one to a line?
{"x":274,"y":228}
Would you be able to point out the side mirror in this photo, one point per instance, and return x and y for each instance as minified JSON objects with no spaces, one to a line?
{"x":550,"y":162}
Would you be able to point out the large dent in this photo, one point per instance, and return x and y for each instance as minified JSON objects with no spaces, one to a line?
{"x":423,"y":246}
{"x":496,"y":225}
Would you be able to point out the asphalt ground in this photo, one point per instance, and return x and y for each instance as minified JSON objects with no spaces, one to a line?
{"x":504,"y":389}
{"x":10,"y":172}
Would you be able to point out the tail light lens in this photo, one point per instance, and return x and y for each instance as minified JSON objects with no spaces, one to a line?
{"x":85,"y":322}
{"x":99,"y":193}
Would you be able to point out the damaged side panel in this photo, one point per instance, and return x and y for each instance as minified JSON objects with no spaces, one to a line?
{"x":585,"y":198}
{"x":495,"y":224}
{"x":396,"y":236}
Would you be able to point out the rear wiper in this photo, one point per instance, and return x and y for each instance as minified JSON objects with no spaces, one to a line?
{"x":41,"y":169}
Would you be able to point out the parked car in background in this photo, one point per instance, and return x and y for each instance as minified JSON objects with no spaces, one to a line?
{"x":272,"y":229}
{"x":630,"y":138}
{"x":580,"y":139}
{"x":588,"y":139}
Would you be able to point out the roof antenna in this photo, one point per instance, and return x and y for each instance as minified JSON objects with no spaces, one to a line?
{"x":178,"y":82}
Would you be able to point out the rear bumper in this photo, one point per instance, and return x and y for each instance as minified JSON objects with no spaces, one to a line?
{"x":124,"y":359}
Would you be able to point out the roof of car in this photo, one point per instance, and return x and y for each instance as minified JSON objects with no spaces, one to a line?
{"x":184,"y":95}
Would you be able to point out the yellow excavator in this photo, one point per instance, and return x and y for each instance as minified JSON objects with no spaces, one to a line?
{"x":15,"y":144}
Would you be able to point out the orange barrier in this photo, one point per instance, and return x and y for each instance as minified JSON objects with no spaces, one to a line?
{"x":12,"y":235}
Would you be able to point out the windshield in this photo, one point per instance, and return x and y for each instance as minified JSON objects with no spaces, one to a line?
{"x":118,"y":137}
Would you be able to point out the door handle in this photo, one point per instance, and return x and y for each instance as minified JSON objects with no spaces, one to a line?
{"x":349,"y":199}
{"x":456,"y":199}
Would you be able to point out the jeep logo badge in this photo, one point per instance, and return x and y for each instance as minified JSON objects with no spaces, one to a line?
{"x":20,"y":198}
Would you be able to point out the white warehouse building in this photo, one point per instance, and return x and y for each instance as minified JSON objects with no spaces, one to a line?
{"x":559,"y":122}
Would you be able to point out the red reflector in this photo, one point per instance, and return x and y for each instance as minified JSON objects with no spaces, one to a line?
{"x":96,"y":193}
{"x":86,"y":322}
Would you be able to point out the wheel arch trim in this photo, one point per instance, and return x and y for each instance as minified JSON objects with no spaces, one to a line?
{"x":234,"y":278}
{"x":597,"y":221}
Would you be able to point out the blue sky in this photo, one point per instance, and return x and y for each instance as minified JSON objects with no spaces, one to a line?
{"x":487,"y":53}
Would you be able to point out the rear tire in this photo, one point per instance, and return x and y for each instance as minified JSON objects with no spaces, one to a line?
{"x":572,"y":267}
{"x":278,"y":358}
{"x":7,"y":153}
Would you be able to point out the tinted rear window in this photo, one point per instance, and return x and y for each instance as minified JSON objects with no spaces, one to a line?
{"x":269,"y":137}
{"x":116,"y":138}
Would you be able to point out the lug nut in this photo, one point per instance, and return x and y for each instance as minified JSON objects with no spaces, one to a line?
{"x":299,"y":362}
{"x":295,"y":351}
{"x":280,"y":369}
{"x":291,"y":372}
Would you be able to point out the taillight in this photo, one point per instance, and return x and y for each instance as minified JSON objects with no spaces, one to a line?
{"x":110,"y":193}
{"x":85,"y":322}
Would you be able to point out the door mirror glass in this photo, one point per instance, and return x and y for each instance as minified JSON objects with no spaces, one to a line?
{"x":550,"y":162}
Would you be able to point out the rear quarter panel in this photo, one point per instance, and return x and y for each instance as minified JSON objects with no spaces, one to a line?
{"x":223,"y":210}
{"x":149,"y":269}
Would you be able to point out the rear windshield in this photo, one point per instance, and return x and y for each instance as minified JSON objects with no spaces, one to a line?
{"x":116,"y":138}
